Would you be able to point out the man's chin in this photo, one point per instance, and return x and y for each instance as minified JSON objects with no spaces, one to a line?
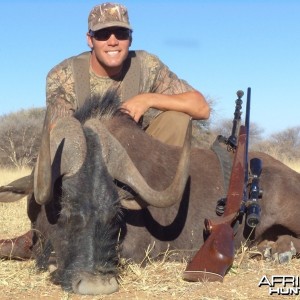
{"x":113,"y":69}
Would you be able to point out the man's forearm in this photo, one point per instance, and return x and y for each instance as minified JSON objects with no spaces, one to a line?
{"x":192,"y":103}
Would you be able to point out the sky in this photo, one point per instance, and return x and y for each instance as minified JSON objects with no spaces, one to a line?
{"x":219,"y":47}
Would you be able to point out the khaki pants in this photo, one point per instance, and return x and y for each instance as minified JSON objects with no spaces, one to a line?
{"x":169,"y":127}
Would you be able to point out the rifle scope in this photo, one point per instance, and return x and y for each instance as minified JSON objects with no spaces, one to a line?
{"x":255,"y":193}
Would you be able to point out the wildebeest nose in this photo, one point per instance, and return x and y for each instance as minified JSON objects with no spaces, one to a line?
{"x":88,"y":284}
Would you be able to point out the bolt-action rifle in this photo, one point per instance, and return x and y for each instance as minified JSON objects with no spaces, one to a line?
{"x":216,"y":255}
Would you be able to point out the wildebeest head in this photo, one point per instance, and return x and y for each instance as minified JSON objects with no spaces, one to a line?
{"x":78,"y":202}
{"x":81,"y":219}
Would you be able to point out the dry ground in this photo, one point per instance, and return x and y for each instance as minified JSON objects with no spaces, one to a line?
{"x":20,"y":280}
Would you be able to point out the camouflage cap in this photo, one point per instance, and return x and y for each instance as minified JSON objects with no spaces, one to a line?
{"x":108,"y":15}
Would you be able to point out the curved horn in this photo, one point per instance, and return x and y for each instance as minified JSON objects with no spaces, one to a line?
{"x":121,"y":167}
{"x":42,"y":182}
{"x":62,"y":152}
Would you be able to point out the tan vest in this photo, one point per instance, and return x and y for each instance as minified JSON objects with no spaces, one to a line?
{"x":130,"y":86}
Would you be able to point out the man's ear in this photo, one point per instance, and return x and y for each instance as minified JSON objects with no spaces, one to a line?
{"x":89,"y":40}
{"x":130,"y":39}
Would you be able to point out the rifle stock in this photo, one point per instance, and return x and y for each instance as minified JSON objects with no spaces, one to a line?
{"x":216,"y":255}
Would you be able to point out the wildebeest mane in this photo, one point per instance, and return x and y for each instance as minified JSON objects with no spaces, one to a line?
{"x":99,"y":107}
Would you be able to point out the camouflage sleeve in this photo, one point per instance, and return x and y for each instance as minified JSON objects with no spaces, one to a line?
{"x":60,"y":94}
{"x":163,"y":81}
{"x":60,"y":84}
{"x":157,"y":78}
{"x":167,"y":82}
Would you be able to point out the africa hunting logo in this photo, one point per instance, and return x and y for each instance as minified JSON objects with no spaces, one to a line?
{"x":281,"y":284}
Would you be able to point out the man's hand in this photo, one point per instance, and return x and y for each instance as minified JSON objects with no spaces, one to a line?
{"x":136,"y":106}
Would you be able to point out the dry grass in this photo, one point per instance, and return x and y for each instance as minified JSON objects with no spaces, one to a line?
{"x":13,"y":214}
{"x":20,"y":280}
{"x":295,"y":165}
{"x":158,"y":280}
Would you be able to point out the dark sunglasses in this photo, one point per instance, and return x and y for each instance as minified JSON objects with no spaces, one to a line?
{"x":104,"y":34}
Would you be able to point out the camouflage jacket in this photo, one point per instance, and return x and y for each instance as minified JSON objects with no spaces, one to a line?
{"x":155,"y":77}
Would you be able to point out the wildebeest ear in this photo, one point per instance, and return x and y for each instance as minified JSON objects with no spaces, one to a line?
{"x":17,"y":189}
{"x":121,"y":167}
{"x":62,"y":153}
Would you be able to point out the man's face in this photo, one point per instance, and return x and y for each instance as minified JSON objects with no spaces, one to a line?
{"x":110,"y":49}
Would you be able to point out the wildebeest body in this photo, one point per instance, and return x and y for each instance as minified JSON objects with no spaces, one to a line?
{"x":181,"y":226}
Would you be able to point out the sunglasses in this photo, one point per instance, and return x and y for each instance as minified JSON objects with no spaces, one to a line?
{"x":104,"y":34}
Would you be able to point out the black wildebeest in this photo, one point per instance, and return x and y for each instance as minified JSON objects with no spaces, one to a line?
{"x":103,"y":188}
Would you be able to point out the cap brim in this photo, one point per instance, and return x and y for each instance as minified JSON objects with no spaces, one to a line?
{"x":110,"y":24}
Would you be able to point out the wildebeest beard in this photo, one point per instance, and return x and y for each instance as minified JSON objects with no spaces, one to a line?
{"x":86,"y":238}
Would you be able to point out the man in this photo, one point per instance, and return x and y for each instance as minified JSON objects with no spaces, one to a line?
{"x":144,"y":84}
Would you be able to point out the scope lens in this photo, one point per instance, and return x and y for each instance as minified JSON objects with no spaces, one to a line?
{"x":253,"y":215}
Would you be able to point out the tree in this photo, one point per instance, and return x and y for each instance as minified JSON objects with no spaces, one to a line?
{"x":202,"y":136}
{"x":20,"y":134}
{"x":284,"y":145}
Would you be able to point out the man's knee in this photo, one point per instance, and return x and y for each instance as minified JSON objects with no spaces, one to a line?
{"x":169,"y":127}
{"x":176,"y":118}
